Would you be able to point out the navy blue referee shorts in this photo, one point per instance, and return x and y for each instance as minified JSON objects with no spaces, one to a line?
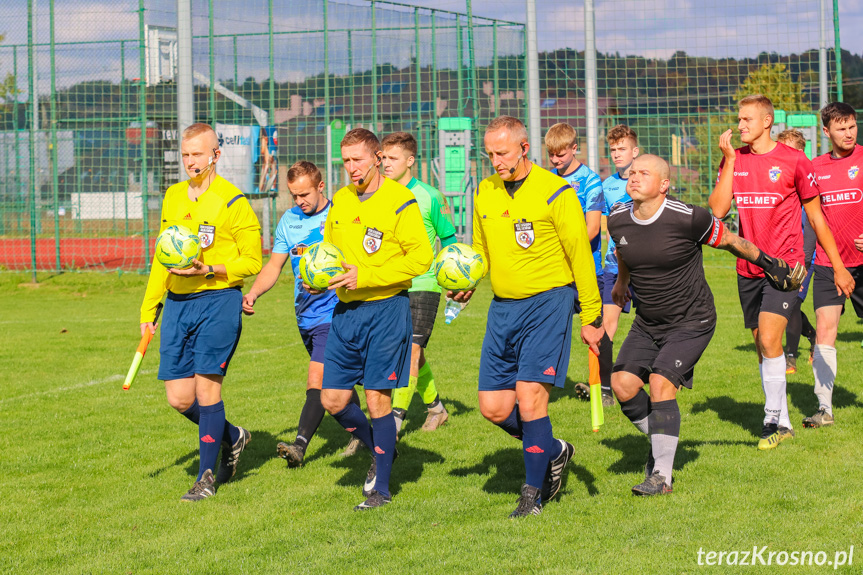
{"x":369,"y":344}
{"x":200,"y":332}
{"x":527,"y":340}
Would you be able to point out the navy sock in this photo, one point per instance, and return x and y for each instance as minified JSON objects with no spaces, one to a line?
{"x":354,"y":421}
{"x":538,"y":443}
{"x":210,"y":430}
{"x":230,"y":434}
{"x":512,"y":424}
{"x":193,"y":414}
{"x":385,"y":448}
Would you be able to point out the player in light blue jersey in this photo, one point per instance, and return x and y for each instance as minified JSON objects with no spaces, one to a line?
{"x":299,"y":228}
{"x":623,"y":147}
{"x":561,"y":141}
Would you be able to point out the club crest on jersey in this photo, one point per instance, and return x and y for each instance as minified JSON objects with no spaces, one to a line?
{"x":524,"y":234}
{"x":852,"y":172}
{"x":299,"y":249}
{"x":774,"y":173}
{"x":372,"y":240}
{"x":207,"y":234}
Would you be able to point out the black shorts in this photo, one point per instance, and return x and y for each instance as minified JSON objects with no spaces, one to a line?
{"x":824,"y":290}
{"x":424,"y":306}
{"x":757,"y":295}
{"x":671,"y":352}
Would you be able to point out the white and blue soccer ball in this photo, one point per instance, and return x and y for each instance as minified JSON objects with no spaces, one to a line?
{"x":458,"y":267}
{"x":177,"y":246}
{"x":320,"y":263}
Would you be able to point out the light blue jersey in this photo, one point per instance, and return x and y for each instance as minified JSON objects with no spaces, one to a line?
{"x":588,"y":188}
{"x":294,"y":234}
{"x":614,"y":190}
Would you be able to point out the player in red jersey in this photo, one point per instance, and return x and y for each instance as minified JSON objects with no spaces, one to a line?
{"x":769,"y":181}
{"x":839,"y":180}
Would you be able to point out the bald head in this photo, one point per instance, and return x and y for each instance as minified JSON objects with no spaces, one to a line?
{"x":656,"y":164}
{"x":648,"y":178}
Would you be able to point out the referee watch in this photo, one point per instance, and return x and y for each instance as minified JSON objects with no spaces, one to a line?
{"x":597,"y":323}
{"x":211,"y":274}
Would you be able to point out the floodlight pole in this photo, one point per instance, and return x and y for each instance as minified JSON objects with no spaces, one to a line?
{"x":534,"y":134}
{"x":590,"y":83}
{"x":822,"y":69}
{"x":185,"y":95}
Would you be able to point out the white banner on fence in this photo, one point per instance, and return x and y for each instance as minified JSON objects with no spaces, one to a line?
{"x":240,"y":147}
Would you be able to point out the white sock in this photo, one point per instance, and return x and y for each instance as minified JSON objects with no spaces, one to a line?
{"x":824,"y":368}
{"x":773,"y":383}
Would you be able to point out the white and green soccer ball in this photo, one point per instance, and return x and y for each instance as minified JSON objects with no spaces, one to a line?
{"x":320,"y":263}
{"x":177,"y":246}
{"x":458,"y":267}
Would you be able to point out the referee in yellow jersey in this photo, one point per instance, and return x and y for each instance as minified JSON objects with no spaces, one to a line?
{"x":201,"y":321}
{"x":377,"y":224}
{"x":529,"y":227}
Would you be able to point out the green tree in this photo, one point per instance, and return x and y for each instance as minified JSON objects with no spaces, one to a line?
{"x":8,"y":91}
{"x":771,"y":80}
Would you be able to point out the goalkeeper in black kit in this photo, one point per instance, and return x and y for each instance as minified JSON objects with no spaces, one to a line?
{"x":659,"y":243}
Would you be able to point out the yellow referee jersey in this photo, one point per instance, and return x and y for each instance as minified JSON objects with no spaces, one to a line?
{"x":383,"y":236}
{"x":536,"y":240}
{"x":230,"y":235}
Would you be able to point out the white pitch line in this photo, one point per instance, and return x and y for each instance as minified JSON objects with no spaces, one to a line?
{"x":92,"y":382}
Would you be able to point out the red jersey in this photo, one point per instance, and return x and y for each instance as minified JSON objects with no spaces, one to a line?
{"x":768,"y":189}
{"x":839,"y":180}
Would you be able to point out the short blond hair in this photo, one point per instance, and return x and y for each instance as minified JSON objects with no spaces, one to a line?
{"x":793,"y":138}
{"x":510,"y":123}
{"x":198,"y":129}
{"x":560,"y":137}
{"x":760,"y":100}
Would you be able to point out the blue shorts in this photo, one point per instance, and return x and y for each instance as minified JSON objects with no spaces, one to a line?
{"x":527,"y":340}
{"x":804,"y":287}
{"x":369,"y":344}
{"x":200,"y":332}
{"x":315,"y":340}
{"x":606,"y":284}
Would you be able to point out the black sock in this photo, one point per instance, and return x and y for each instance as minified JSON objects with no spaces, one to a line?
{"x":637,"y":409}
{"x":794,"y":329}
{"x":606,"y":348}
{"x":355,"y":397}
{"x":808,"y":329}
{"x":310,"y":417}
{"x":664,"y":429}
{"x":434,"y":403}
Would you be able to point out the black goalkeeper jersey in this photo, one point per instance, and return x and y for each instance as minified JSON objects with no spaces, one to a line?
{"x":663,"y":255}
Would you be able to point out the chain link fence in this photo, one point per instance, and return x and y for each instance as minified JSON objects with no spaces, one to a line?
{"x":88,"y":95}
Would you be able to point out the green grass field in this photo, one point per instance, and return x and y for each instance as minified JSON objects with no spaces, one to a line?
{"x":91,"y":476}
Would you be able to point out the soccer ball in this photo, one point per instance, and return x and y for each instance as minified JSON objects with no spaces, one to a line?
{"x":320,"y":263}
{"x":458,"y":267}
{"x":177,"y":246}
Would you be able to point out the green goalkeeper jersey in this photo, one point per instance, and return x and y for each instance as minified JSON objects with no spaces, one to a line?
{"x":436,"y":218}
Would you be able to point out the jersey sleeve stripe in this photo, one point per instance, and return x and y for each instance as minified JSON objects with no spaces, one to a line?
{"x":404,"y":205}
{"x":557,"y":193}
{"x":234,"y":199}
{"x":714,"y":233}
